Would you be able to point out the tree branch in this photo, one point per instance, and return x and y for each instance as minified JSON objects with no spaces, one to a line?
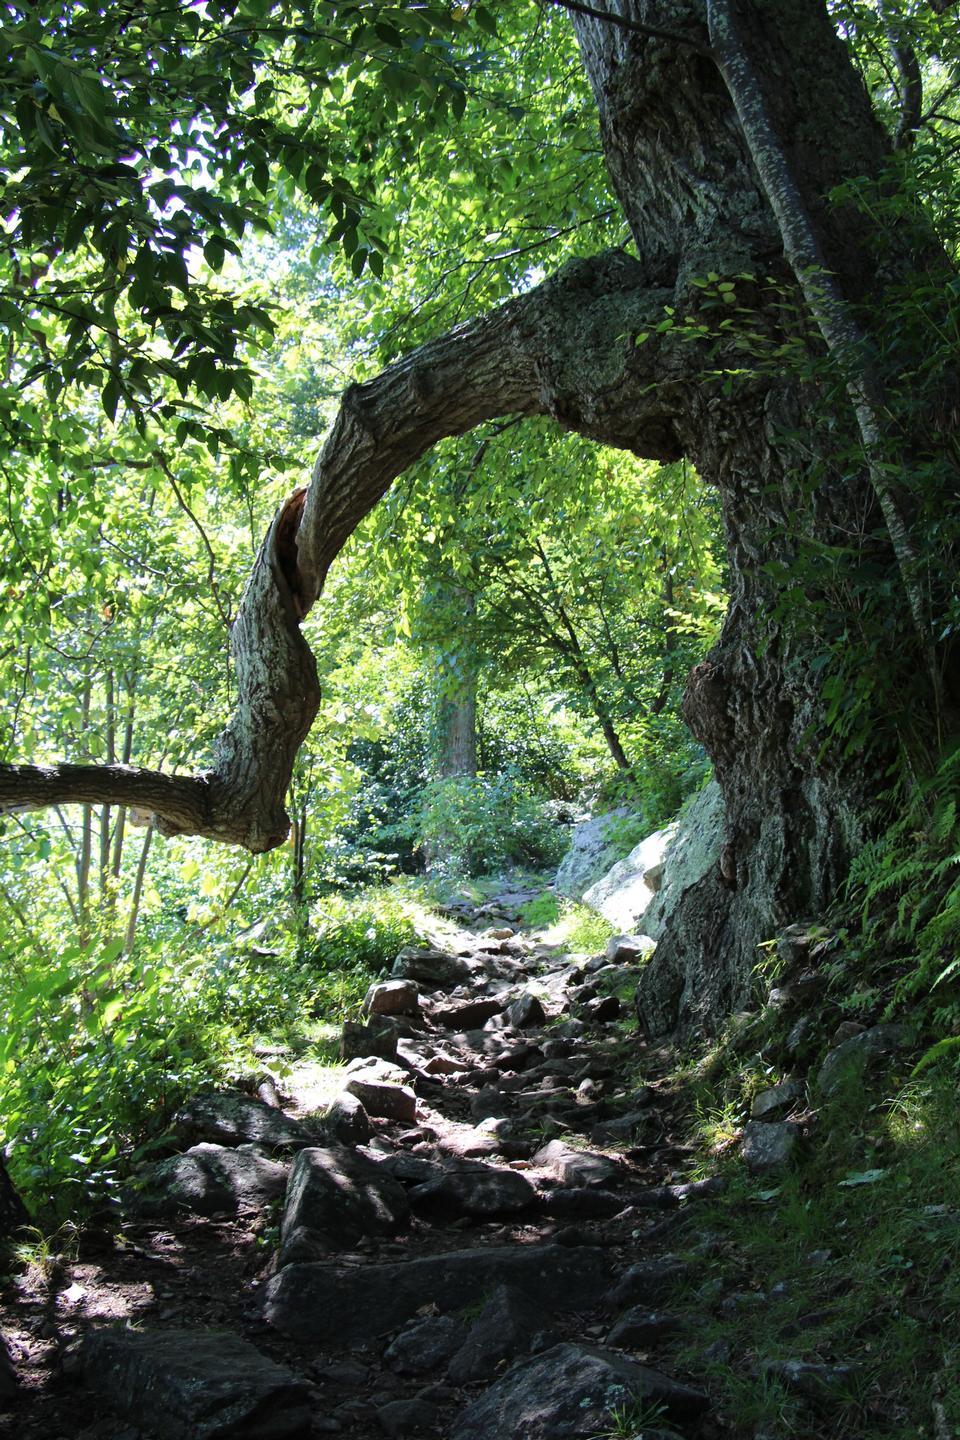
{"x":565,"y":349}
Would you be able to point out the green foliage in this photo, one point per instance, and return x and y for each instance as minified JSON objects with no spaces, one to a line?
{"x":480,"y":825}
{"x":906,"y":885}
{"x":97,"y":1048}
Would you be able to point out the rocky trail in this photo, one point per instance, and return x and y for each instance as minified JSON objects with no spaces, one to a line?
{"x":473,"y":1240}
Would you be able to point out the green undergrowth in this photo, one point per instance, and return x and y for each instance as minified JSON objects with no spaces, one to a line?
{"x":849,"y":1259}
{"x":98,"y":1048}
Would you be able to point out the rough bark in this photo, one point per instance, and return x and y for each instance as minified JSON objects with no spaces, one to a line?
{"x":13,"y":1212}
{"x":681,"y":162}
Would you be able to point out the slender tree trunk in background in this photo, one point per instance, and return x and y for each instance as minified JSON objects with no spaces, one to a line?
{"x":455,"y":704}
{"x":85,"y":855}
{"x":298,"y":889}
{"x":137,"y":896}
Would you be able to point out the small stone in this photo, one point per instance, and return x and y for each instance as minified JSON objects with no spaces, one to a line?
{"x":647,"y":1282}
{"x":629,"y":949}
{"x":468,"y":1017}
{"x":526,"y":1011}
{"x":343,"y":1196}
{"x":567,"y":1393}
{"x":504,"y":1330}
{"x":392,"y":997}
{"x":848,"y":1062}
{"x":777,"y":1099}
{"x":767,"y":1146}
{"x":822,"y":1384}
{"x":231,"y":1118}
{"x":376,"y":1040}
{"x":575,"y":1167}
{"x":425,"y":1345}
{"x":604,"y":1008}
{"x":433,"y":969}
{"x":476,"y":1190}
{"x":639,"y":1326}
{"x":346,"y":1121}
{"x":210,"y":1179}
{"x":407,"y":1417}
{"x":392,"y":1102}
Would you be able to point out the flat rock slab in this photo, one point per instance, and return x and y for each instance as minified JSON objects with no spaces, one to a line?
{"x":339,"y":1305}
{"x":196,"y":1385}
{"x":576,"y":1167}
{"x":210,"y":1179}
{"x":343,"y":1196}
{"x":230,"y":1118}
{"x":475,"y":1189}
{"x":382,"y":1098}
{"x":470,"y":1016}
{"x":568,"y":1393}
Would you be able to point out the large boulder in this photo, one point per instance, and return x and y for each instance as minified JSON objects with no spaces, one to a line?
{"x":337,"y":1305}
{"x":196,"y":1385}
{"x":693,"y":848}
{"x":625,"y":891}
{"x":597,"y":844}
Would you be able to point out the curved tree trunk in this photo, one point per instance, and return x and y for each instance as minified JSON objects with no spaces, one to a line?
{"x":706,"y":191}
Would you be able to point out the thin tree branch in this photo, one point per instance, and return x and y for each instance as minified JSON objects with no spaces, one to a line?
{"x":636,"y":27}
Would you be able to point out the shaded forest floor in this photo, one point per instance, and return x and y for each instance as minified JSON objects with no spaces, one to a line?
{"x":606,"y":1265}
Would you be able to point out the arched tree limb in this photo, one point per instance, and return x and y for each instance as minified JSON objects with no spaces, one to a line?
{"x":565,"y":349}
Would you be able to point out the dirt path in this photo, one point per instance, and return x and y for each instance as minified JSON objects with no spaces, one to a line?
{"x":475,"y":1243}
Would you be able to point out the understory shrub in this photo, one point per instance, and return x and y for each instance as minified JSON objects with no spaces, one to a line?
{"x":476,"y":825}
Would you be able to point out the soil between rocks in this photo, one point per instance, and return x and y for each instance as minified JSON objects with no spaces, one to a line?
{"x":536,"y":1100}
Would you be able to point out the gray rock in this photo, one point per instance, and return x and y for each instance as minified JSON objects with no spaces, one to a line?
{"x":433,"y":969}
{"x":581,"y":1203}
{"x":629,"y":949}
{"x":595,"y":846}
{"x":822,"y":1384}
{"x":9,"y":1386}
{"x":476,"y":1190}
{"x":622,"y":896}
{"x":647,"y":1283}
{"x":603,"y":1008}
{"x":693,"y":848}
{"x":568,"y":1393}
{"x":376,"y":1040}
{"x":338,"y":1305}
{"x":848,"y":1062}
{"x":470,"y":1016}
{"x":504,"y":1330}
{"x":392,"y":997}
{"x":301,"y":1246}
{"x":343,"y":1196}
{"x":210,"y":1179}
{"x":526,"y":1011}
{"x":407,"y":1417}
{"x":346,"y":1121}
{"x":767,"y":1146}
{"x":196,"y":1385}
{"x":777,"y":1099}
{"x":425,"y":1345}
{"x":639,"y":1326}
{"x":391,"y":1102}
{"x":488,"y":1103}
{"x":575,"y":1167}
{"x":230,"y":1118}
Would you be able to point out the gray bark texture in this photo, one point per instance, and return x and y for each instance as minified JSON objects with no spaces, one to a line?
{"x":698,"y":201}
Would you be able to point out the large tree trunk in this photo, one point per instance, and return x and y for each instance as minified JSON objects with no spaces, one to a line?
{"x":685,"y":175}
